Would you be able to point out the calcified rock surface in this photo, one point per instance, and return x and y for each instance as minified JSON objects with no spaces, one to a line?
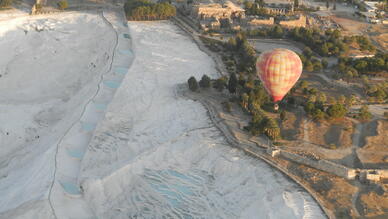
{"x":158,"y":154}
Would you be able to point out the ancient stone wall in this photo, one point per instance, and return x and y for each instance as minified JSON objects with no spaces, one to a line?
{"x":259,"y":22}
{"x":374,"y":174}
{"x":301,"y":22}
{"x":323,"y":165}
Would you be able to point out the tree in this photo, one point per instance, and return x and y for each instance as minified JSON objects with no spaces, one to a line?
{"x":271,"y":129}
{"x":220,"y":84}
{"x":261,"y":3}
{"x":5,"y":3}
{"x":304,"y":84}
{"x":324,"y":49}
{"x":313,"y":91}
{"x":309,"y":107}
{"x":341,"y":99}
{"x":307,"y":52}
{"x":63,"y":4}
{"x":321,"y":98}
{"x":277,"y":31}
{"x":324,"y":63}
{"x":361,"y":65}
{"x":312,"y":98}
{"x":364,"y":113}
{"x":348,"y":75}
{"x":233,"y":82}
{"x":319,"y":115}
{"x":309,"y":66}
{"x":283,"y":115}
{"x":317,"y":65}
{"x":193,"y":84}
{"x":350,"y":101}
{"x":147,"y":10}
{"x":244,"y":101}
{"x":232,"y":43}
{"x":296,"y":3}
{"x":332,"y":100}
{"x":336,"y":111}
{"x":205,"y":81}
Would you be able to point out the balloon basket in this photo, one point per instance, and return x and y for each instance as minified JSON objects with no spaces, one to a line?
{"x":276,"y":107}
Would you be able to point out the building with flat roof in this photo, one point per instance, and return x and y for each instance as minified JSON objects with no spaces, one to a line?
{"x":218,"y":11}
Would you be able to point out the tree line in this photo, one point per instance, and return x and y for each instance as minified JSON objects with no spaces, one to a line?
{"x":251,"y":96}
{"x":248,"y":90}
{"x":367,"y":65}
{"x":5,"y":3}
{"x":147,"y":10}
{"x":320,"y":107}
{"x":324,"y":43}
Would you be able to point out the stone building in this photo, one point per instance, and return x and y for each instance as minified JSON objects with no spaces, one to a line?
{"x":216,"y":16}
{"x":279,"y":6}
{"x":218,"y":11}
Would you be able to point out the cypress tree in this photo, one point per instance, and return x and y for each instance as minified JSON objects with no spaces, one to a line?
{"x":232,"y":85}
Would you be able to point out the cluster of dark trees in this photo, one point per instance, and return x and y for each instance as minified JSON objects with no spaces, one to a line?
{"x":273,"y":32}
{"x":328,"y":43}
{"x":311,"y":63}
{"x":324,"y":43}
{"x":319,"y":107}
{"x":147,"y":10}
{"x":377,"y":92}
{"x":364,"y":43}
{"x":244,"y":54}
{"x":63,"y":4}
{"x":206,"y":82}
{"x":5,"y":3}
{"x":368,"y":65}
{"x":252,"y":98}
{"x":364,"y":113}
{"x":256,"y":8}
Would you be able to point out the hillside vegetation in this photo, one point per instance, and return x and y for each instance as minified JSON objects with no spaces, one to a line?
{"x":145,"y":10}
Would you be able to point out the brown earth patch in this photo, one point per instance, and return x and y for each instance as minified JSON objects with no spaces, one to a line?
{"x":336,"y":191}
{"x":379,"y":34}
{"x":351,"y":26}
{"x":290,"y":126}
{"x":376,"y":147}
{"x":331,"y":135}
{"x":375,"y":205}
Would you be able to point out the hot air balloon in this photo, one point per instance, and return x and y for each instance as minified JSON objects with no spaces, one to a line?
{"x":278,"y":69}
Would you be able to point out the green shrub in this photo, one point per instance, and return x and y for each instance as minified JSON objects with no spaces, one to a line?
{"x":193,"y":84}
{"x":336,"y":111}
{"x":63,"y":4}
{"x":364,"y":113}
{"x":147,"y":10}
{"x":220,"y":83}
{"x":227,"y":106}
{"x":205,"y":81}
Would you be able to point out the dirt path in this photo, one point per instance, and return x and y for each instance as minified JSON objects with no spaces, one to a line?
{"x":355,"y":198}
